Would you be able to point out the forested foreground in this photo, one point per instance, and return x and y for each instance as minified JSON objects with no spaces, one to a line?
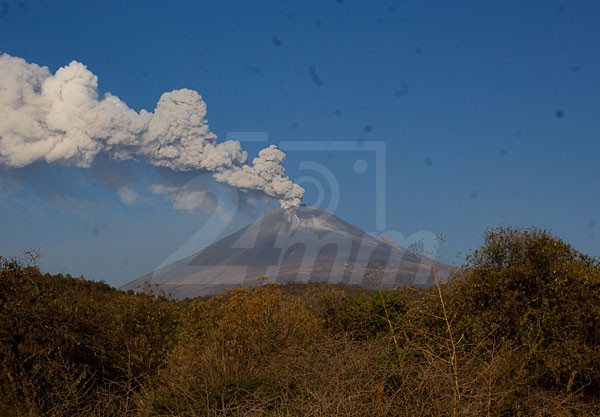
{"x":516,"y":332}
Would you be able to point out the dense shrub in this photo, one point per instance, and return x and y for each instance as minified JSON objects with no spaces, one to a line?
{"x":370,"y":313}
{"x":532,"y":291}
{"x":67,"y":344}
{"x":515,"y":333}
{"x":226,"y":343}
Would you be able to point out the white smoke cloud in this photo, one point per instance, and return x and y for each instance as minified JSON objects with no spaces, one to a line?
{"x":186,"y":199}
{"x":266,"y":174}
{"x":127,"y":195}
{"x":162,"y":189}
{"x":61,"y":119}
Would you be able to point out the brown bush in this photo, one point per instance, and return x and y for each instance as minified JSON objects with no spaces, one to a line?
{"x":515,"y":334}
{"x":225,"y":345}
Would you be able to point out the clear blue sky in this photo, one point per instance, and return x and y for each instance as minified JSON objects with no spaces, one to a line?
{"x":490,"y":113}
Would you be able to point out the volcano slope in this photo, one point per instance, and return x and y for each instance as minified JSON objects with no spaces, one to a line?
{"x":304,"y":243}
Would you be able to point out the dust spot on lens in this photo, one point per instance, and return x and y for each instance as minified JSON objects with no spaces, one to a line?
{"x":559,"y":114}
{"x":474,"y":194}
{"x":360,"y":166}
{"x":294,"y":125}
{"x":368,"y":128}
{"x":312,"y":71}
{"x":402,"y":91}
{"x":428,"y":162}
{"x":95,"y":231}
{"x":503,"y":152}
{"x":592,"y":223}
{"x":337,"y":113}
{"x":276,"y":42}
{"x":418,"y":50}
{"x":252,"y":70}
{"x":4,"y":8}
{"x":518,"y":133}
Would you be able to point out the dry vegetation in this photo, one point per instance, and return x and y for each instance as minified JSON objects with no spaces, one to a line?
{"x":515,"y":333}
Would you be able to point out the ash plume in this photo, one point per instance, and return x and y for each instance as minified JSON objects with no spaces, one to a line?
{"x":60,"y":118}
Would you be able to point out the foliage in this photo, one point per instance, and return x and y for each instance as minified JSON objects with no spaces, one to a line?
{"x":65,"y":342}
{"x":534,"y":292}
{"x":226,"y":342}
{"x":516,"y":332}
{"x":369,"y":314}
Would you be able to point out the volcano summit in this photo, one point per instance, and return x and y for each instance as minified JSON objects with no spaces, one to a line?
{"x":303,"y":243}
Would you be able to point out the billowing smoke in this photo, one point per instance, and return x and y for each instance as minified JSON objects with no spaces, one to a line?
{"x":60,"y":119}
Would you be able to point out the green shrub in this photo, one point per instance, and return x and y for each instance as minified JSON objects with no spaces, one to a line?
{"x":370,"y":314}
{"x":531,"y":291}
{"x":65,"y":343}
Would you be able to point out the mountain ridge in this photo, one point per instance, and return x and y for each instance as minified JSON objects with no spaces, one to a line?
{"x":303,"y":243}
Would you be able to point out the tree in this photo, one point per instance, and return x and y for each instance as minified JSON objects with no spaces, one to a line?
{"x":532,"y":291}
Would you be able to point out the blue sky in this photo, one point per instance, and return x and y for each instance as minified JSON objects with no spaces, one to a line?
{"x":489,"y":111}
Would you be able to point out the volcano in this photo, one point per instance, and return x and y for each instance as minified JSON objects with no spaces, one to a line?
{"x":303,"y":243}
